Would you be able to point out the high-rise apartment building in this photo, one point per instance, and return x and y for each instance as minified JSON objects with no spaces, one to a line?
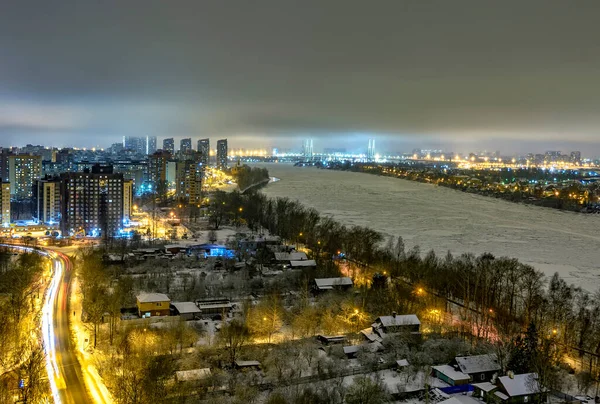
{"x":185,"y":145}
{"x":204,"y":150}
{"x":135,"y":144}
{"x":188,"y":182}
{"x":150,"y":145}
{"x":4,"y":154}
{"x":127,"y":199}
{"x":371,"y":150}
{"x":157,"y":167}
{"x":307,"y":149}
{"x":222,"y":154}
{"x":47,"y":200}
{"x":23,"y":171}
{"x":575,"y":157}
{"x":5,"y":204}
{"x":92,"y":202}
{"x":169,"y":145}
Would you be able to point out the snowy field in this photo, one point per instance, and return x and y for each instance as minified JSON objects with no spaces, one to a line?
{"x":443,"y":219}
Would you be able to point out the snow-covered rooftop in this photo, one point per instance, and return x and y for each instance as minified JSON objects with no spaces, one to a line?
{"x":407,"y":319}
{"x":303,"y":263}
{"x":330,"y":283}
{"x":402,"y":363}
{"x":186,"y":307}
{"x":152,"y":297}
{"x":451,"y":373}
{"x":460,"y":400}
{"x":292,"y":256}
{"x":478,"y":363}
{"x":486,"y":386}
{"x":352,"y":349}
{"x":520,"y":385}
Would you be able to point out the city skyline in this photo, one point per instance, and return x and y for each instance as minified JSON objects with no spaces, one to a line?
{"x":466,"y":82}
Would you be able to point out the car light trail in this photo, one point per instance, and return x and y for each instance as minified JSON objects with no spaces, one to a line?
{"x":48,"y":329}
{"x":47,"y":317}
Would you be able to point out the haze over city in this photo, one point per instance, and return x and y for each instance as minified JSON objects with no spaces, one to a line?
{"x":461,"y":75}
{"x":299,"y":202}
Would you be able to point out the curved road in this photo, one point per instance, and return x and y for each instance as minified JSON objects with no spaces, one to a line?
{"x":69,"y":378}
{"x":65,"y":374}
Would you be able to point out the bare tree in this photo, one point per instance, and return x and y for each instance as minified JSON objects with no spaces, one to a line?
{"x":233,"y":337}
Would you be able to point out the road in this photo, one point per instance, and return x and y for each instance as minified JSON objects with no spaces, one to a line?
{"x":69,"y":381}
{"x":69,"y":377}
{"x":64,"y":372}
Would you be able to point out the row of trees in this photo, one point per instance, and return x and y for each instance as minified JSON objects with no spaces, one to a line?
{"x":498,"y":297}
{"x":246,"y":176}
{"x":22,"y":357}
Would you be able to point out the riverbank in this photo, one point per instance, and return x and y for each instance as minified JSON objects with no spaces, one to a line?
{"x":442,"y":219}
{"x":566,"y":193}
{"x":257,"y":184}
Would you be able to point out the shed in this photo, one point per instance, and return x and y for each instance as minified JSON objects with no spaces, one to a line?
{"x":214,"y":307}
{"x":449,"y":375}
{"x":186,"y":310}
{"x":484,"y":390}
{"x":402,"y":364}
{"x":351,"y":351}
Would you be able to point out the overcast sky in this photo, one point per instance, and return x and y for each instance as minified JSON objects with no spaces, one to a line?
{"x":507,"y":75}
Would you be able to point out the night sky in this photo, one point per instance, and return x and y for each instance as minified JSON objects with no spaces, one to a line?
{"x":507,"y":75}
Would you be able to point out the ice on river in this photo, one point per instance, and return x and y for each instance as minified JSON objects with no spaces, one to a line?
{"x":443,"y":219}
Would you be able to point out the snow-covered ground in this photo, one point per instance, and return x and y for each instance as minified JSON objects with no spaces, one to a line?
{"x":443,"y":219}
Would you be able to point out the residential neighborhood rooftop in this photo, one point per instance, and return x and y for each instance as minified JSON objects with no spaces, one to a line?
{"x":478,"y":363}
{"x":451,"y":372}
{"x":186,"y":307}
{"x":520,"y":385}
{"x":330,"y":283}
{"x":152,"y":297}
{"x":395,"y":320}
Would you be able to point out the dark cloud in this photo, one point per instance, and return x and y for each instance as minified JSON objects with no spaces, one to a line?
{"x":507,"y":73}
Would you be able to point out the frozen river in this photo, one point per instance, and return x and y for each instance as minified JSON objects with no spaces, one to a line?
{"x":443,"y":219}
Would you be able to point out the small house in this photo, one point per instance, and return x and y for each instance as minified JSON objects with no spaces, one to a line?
{"x":394,"y":324}
{"x":186,"y":310}
{"x":325,"y":284}
{"x":448,"y":374}
{"x":153,"y":304}
{"x":517,"y":389}
{"x":351,"y":351}
{"x":331,"y":339}
{"x":481,"y":368}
